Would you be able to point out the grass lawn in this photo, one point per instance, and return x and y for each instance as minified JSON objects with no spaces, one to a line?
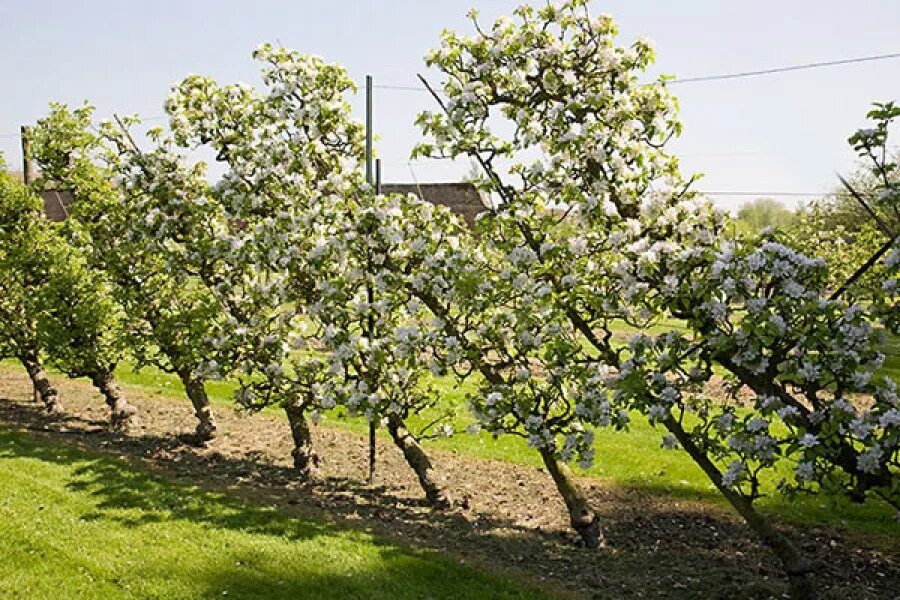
{"x":77,"y":525}
{"x":891,"y":367}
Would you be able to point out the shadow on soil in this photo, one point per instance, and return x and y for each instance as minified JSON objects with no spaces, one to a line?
{"x":655,"y":549}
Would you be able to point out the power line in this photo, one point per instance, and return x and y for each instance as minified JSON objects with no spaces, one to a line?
{"x":401,"y":88}
{"x":800,"y":67}
{"x":697,"y":79}
{"x":746,"y":193}
{"x":724,"y":76}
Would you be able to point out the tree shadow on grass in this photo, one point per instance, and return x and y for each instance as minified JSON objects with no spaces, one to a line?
{"x":355,"y":566}
{"x":656,"y":549}
{"x":398,"y":577}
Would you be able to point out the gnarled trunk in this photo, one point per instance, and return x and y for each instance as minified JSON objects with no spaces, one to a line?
{"x":43,"y":389}
{"x":195,"y":389}
{"x":582,"y":517}
{"x":305,"y":458}
{"x":122,"y":414}
{"x":800,"y":571}
{"x":417,"y":459}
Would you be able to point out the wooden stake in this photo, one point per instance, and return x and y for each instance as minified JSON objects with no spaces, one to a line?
{"x":27,"y":162}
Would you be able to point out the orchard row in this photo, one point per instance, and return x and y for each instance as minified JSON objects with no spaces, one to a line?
{"x":291,"y":276}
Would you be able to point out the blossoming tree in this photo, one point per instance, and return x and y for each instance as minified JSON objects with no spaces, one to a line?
{"x":241,"y":235}
{"x":24,"y":238}
{"x":167,"y":313}
{"x":308,"y":245}
{"x":595,"y":228}
{"x":547,"y":295}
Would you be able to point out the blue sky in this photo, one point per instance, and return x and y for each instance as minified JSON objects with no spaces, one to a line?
{"x":784,"y":132}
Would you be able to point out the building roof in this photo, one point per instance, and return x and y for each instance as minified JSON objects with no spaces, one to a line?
{"x":56,"y":202}
{"x":462,"y":198}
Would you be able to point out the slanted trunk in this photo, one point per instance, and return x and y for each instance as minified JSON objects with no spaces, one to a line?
{"x":305,"y":458}
{"x":799,"y":570}
{"x":582,"y":517}
{"x":43,"y":390}
{"x":122,"y":414}
{"x":195,"y":389}
{"x":417,"y":459}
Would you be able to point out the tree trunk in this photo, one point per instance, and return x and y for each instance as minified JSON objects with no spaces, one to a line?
{"x":417,"y":459}
{"x":122,"y":414}
{"x":582,"y":517}
{"x":195,"y":390}
{"x":305,"y":458}
{"x":43,"y":389}
{"x":799,"y":571}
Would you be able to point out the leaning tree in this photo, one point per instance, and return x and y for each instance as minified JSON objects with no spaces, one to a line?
{"x":315,"y":319}
{"x":167,"y":313}
{"x":577,"y":173}
{"x":593,"y":227}
{"x":25,"y":236}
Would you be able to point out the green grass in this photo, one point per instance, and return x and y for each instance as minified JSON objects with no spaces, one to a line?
{"x":891,"y":367}
{"x":78,"y":525}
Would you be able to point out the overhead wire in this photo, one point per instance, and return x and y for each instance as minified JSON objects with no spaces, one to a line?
{"x":786,"y":69}
{"x":697,"y":79}
{"x":701,"y":78}
{"x":725,"y":76}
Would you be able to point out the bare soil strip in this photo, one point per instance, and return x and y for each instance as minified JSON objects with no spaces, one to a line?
{"x":506,"y":517}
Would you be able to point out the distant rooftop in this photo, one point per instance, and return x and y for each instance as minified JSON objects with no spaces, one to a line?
{"x":462,"y":198}
{"x":56,"y":202}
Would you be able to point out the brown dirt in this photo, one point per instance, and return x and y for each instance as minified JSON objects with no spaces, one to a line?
{"x":507,"y":517}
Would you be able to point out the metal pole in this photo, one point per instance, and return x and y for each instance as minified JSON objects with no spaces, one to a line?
{"x":369,"y":292}
{"x":378,"y":176}
{"x":369,"y":174}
